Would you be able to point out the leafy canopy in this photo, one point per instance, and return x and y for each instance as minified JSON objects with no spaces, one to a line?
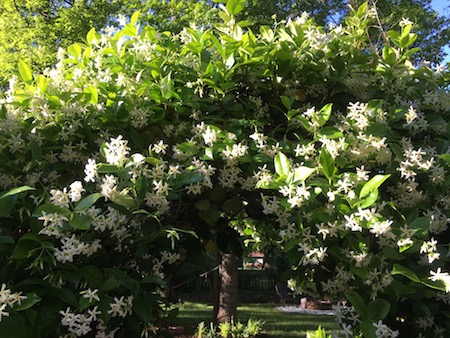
{"x":139,"y":149}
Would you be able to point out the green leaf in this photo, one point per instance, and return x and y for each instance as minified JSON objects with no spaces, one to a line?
{"x":36,"y":151}
{"x":233,"y":204}
{"x":235,"y":6}
{"x":81,"y":222}
{"x":420,"y":225}
{"x":25,"y":72}
{"x":92,"y":275}
{"x":331,"y":132}
{"x":23,"y":249}
{"x":92,"y":93}
{"x":378,"y":309}
{"x":210,"y":216}
{"x":104,"y":168}
{"x":124,"y":200}
{"x":368,"y":329}
{"x":188,"y":148}
{"x":16,"y":191}
{"x":371,"y":199}
{"x":373,"y":184}
{"x":7,"y":205}
{"x":88,"y":201}
{"x":286,"y":102}
{"x":267,"y":33}
{"x":74,"y":50}
{"x":356,"y":300}
{"x":134,"y":18}
{"x":438,"y":285}
{"x":32,"y":299}
{"x":129,"y":30}
{"x":144,"y":306}
{"x":203,"y":205}
{"x":446,"y":158}
{"x":208,"y":155}
{"x":91,"y":35}
{"x":327,"y":163}
{"x":66,"y":295}
{"x":302,"y":173}
{"x":404,"y":271}
{"x":51,"y":209}
{"x":282,"y":165}
{"x":325,"y":113}
{"x":186,"y":178}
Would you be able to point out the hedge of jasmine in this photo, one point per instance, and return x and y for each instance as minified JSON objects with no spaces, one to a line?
{"x":137,"y":142}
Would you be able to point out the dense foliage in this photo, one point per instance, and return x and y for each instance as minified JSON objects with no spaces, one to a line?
{"x":33,"y":30}
{"x":140,"y":148}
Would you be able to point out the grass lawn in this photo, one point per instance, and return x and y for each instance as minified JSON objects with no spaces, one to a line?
{"x":277,"y":324}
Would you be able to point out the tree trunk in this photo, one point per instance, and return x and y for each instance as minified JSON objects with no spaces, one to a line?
{"x":215,"y":289}
{"x":228,"y":288}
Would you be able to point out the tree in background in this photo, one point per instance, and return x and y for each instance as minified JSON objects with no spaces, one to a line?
{"x":33,"y":30}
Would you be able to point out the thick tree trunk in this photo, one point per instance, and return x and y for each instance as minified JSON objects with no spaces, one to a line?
{"x":215,"y":289}
{"x":228,"y":288}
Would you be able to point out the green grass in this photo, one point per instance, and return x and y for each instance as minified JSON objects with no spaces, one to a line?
{"x":277,"y":324}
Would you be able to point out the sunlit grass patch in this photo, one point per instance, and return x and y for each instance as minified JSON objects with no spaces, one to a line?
{"x":277,"y":324}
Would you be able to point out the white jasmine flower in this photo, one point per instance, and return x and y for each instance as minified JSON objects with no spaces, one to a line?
{"x":116,"y":150}
{"x":90,"y":170}
{"x":59,"y":198}
{"x":76,"y":188}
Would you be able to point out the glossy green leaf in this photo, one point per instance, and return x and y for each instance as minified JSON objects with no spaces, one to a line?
{"x":437,"y":285}
{"x":88,"y":201}
{"x":302,"y":173}
{"x":16,"y":191}
{"x":373,"y":184}
{"x":25,"y":72}
{"x":23,"y":249}
{"x":74,"y":50}
{"x":51,"y":209}
{"x":134,"y":18}
{"x":235,"y":6}
{"x":31,"y":300}
{"x":420,"y":224}
{"x":404,"y":271}
{"x":104,"y":168}
{"x":188,"y":148}
{"x":129,"y":30}
{"x":378,"y":309}
{"x":325,"y":113}
{"x":327,"y":163}
{"x":368,"y":329}
{"x":286,"y":102}
{"x":124,"y":200}
{"x":91,"y":36}
{"x":282,"y":165}
{"x":331,"y":132}
{"x":81,"y":222}
{"x":370,"y":199}
{"x":357,"y":301}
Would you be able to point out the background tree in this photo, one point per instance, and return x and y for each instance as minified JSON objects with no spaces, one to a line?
{"x":33,"y":30}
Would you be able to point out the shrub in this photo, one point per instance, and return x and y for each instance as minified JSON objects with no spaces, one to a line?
{"x":336,"y":151}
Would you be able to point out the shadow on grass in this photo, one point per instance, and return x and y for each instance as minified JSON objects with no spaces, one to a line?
{"x":277,"y":324}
